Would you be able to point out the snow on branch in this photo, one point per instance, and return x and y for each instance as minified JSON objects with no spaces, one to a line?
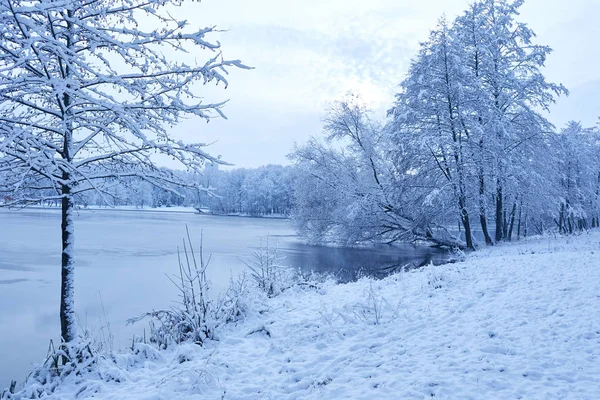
{"x":91,"y":91}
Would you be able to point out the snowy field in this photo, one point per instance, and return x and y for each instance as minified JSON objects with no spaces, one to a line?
{"x":514,"y":321}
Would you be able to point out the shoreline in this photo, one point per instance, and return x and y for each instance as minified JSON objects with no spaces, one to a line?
{"x":513,"y":319}
{"x":175,"y":209}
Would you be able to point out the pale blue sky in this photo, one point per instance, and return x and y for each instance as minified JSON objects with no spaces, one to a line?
{"x":307,"y":53}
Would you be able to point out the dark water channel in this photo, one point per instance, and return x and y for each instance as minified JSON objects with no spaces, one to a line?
{"x":349,"y":264}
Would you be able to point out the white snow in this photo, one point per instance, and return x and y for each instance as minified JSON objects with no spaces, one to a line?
{"x":514,"y":321}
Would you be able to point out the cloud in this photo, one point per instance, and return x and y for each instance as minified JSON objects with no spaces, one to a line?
{"x":307,"y":53}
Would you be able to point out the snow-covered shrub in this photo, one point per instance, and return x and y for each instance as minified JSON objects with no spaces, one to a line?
{"x":233,"y":305}
{"x":191,"y":320}
{"x":434,"y":277}
{"x":272,"y":277}
{"x":74,"y":358}
{"x":197,"y":317}
{"x":372,"y":310}
{"x":375,"y":309}
{"x":9,"y":392}
{"x":456,"y":255}
{"x":267,"y":271}
{"x":314,"y":280}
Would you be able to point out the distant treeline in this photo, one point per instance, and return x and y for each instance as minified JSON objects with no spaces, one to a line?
{"x":254,"y":191}
{"x":265,"y":190}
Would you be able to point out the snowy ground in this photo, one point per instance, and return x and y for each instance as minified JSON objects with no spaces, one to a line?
{"x":514,"y":321}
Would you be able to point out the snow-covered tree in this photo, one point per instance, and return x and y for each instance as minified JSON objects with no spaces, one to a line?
{"x":430,"y":112}
{"x":473,"y":100}
{"x":356,"y":187}
{"x":577,"y":175}
{"x":89,"y":93}
{"x":505,"y":69}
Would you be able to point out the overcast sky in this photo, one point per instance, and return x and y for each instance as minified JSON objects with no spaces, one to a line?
{"x":307,"y":53}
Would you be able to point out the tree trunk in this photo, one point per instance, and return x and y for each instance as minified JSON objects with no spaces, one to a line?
{"x":482,"y":213}
{"x":519,"y":222}
{"x":67,"y":304}
{"x":464,"y":214}
{"x":68,"y":328}
{"x":561,"y":217}
{"x":499,"y":208}
{"x":504,"y":225}
{"x":468,"y":235}
{"x":512,"y":221}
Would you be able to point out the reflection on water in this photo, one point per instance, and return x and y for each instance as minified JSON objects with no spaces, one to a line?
{"x":350,"y":264}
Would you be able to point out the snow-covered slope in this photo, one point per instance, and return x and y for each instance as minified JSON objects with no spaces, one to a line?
{"x":513,"y":321}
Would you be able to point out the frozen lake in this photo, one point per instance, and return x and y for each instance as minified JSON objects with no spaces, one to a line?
{"x":123,"y":256}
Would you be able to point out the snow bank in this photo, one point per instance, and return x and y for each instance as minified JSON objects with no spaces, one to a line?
{"x":513,"y":321}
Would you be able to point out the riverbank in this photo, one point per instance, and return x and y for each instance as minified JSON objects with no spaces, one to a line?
{"x":513,"y":321}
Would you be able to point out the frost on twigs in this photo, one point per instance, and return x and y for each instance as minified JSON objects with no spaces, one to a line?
{"x":272,"y":277}
{"x":373,"y":309}
{"x":191,"y":319}
{"x":456,"y":255}
{"x":196,"y":316}
{"x":89,"y":95}
{"x":354,"y":188}
{"x":235,"y":304}
{"x":266,"y":269}
{"x":69,"y":359}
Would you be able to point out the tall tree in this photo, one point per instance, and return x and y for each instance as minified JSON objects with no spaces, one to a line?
{"x":358,"y":187}
{"x":429,"y":111}
{"x":505,"y":66}
{"x":88,"y":95}
{"x":473,"y":98}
